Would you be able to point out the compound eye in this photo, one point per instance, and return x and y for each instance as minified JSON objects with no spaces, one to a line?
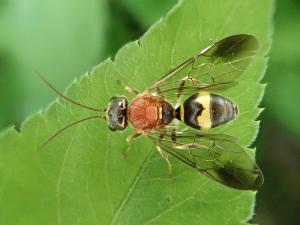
{"x":111,"y":128}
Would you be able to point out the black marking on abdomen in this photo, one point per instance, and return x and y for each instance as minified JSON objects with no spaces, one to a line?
{"x":192,"y":110}
{"x":222,"y":110}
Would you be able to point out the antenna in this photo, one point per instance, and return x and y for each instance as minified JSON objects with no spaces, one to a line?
{"x":66,"y":127}
{"x":65,"y":97}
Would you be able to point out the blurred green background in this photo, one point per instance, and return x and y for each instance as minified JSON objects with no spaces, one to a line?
{"x":63,"y":42}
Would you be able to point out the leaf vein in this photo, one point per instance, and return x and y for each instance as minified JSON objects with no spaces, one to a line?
{"x":192,"y":196}
{"x":58,"y":185}
{"x":131,"y":188}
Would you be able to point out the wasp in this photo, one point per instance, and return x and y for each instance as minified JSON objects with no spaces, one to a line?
{"x":151,"y":113}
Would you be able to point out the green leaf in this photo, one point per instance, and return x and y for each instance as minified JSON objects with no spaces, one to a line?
{"x":82,"y":177}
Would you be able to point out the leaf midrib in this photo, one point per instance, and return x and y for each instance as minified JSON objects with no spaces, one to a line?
{"x":131,"y":187}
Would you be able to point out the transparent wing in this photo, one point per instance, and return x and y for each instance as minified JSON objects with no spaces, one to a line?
{"x":217,"y":156}
{"x":217,"y":66}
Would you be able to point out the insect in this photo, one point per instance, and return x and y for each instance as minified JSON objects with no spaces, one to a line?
{"x":152,"y":115}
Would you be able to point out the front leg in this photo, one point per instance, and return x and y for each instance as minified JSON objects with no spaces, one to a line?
{"x":130,"y":140}
{"x":129,"y":89}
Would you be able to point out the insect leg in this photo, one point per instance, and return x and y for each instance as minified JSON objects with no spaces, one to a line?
{"x":183,"y":81}
{"x":130,"y":140}
{"x":173,"y":138}
{"x":180,"y":89}
{"x":174,"y":143}
{"x":129,"y":89}
{"x":164,"y":155}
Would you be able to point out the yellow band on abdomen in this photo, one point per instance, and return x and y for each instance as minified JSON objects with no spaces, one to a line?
{"x":181,"y":113}
{"x":204,"y":120}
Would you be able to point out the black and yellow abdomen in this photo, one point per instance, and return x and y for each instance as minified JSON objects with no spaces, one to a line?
{"x":205,"y":110}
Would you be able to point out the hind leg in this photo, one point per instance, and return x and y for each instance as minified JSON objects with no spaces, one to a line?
{"x":165,"y":155}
